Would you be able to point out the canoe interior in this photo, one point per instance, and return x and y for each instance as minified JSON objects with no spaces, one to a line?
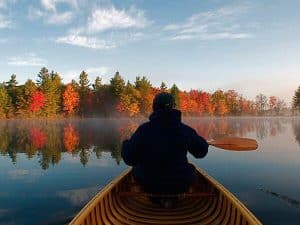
{"x":123,"y":202}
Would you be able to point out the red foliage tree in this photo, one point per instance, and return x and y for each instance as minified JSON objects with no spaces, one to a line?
{"x":37,"y":101}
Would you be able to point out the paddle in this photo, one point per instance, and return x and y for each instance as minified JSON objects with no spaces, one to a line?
{"x":235,"y":143}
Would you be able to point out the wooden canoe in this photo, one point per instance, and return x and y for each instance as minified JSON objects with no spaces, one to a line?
{"x":122,"y":202}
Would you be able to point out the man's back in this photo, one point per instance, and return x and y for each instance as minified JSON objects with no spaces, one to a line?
{"x":157,"y":150}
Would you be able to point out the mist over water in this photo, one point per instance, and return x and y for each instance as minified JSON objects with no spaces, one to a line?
{"x":49,"y":169}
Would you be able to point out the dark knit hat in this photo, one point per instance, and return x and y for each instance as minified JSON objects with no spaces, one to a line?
{"x":163,"y":101}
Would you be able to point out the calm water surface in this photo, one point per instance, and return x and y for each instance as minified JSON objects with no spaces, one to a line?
{"x":50,"y":169}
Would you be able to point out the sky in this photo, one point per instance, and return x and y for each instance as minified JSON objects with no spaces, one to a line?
{"x":250,"y":46}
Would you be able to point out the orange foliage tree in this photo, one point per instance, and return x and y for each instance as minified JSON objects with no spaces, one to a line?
{"x":70,"y":100}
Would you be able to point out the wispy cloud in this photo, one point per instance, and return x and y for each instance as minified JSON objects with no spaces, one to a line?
{"x":112,"y":18}
{"x":51,"y":5}
{"x":23,"y":174}
{"x":92,"y":71}
{"x":4,"y":3}
{"x":50,"y":14}
{"x":107,"y":28}
{"x":211,"y":25}
{"x":99,"y":70}
{"x":78,"y":196}
{"x":85,"y":41}
{"x":62,"y":18}
{"x":27,"y":60}
{"x":4,"y":22}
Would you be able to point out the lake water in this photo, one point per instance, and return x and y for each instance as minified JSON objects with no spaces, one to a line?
{"x":50,"y":169}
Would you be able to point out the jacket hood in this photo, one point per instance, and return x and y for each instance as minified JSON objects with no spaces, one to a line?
{"x":166,"y":116}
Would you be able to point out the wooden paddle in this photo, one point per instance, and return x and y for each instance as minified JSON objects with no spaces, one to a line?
{"x":235,"y":143}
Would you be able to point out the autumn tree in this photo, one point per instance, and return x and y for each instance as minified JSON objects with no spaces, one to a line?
{"x":206,"y":101}
{"x":37,"y":101}
{"x":231,"y":101}
{"x":280,"y":106}
{"x":129,"y":101}
{"x":272,"y":103}
{"x":218,"y":99}
{"x":261,"y":103}
{"x":70,"y":100}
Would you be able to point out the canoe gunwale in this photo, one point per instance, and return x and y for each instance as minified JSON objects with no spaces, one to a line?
{"x":100,"y":195}
{"x":237,"y":203}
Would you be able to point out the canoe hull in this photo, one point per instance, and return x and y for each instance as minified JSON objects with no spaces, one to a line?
{"x":123,"y":202}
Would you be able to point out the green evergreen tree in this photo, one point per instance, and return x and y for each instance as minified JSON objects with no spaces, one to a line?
{"x":163,"y":87}
{"x":5,"y":101}
{"x":84,"y":91}
{"x":296,"y":99}
{"x":175,"y":92}
{"x":23,"y":98}
{"x":84,"y":83}
{"x":11,"y":88}
{"x":51,"y":86}
{"x":117,"y":85}
{"x":98,"y":84}
{"x":75,"y":85}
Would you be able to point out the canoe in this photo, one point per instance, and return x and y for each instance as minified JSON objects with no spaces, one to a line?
{"x":123,"y":202}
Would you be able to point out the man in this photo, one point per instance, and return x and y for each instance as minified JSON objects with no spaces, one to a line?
{"x":158,"y":149}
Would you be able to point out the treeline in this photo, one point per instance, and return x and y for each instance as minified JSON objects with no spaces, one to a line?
{"x":49,"y":97}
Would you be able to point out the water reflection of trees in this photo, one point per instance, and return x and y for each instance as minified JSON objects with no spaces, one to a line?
{"x":48,"y":140}
{"x":296,"y":129}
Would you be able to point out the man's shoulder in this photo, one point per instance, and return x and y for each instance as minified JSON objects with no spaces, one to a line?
{"x":187,"y":128}
{"x":144,"y":126}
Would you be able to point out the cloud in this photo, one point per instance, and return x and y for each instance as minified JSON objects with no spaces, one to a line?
{"x":80,"y":196}
{"x":51,"y":5}
{"x":4,"y":3}
{"x":50,"y":17}
{"x":112,"y":18}
{"x":27,"y":60}
{"x":92,"y":71}
{"x":62,"y":18}
{"x":211,"y":25}
{"x":5,"y":23}
{"x":50,"y":14}
{"x":107,"y":28}
{"x":29,"y":175}
{"x":99,"y":70}
{"x":85,"y":41}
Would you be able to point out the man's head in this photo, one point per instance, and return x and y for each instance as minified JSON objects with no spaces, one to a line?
{"x":163,"y":101}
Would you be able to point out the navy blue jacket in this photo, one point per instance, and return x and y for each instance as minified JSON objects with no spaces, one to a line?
{"x":158,"y":149}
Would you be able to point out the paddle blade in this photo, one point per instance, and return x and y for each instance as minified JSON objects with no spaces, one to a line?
{"x":235,"y":144}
